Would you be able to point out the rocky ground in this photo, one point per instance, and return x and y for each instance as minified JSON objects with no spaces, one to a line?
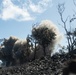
{"x":46,"y":66}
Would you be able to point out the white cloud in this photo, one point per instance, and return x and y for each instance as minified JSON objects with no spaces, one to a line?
{"x":11,"y":11}
{"x":22,"y":11}
{"x":41,"y":6}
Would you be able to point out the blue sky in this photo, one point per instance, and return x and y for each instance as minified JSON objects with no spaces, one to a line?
{"x":18,"y":16}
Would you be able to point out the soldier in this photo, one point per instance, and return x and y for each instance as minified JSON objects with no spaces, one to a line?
{"x":70,"y":69}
